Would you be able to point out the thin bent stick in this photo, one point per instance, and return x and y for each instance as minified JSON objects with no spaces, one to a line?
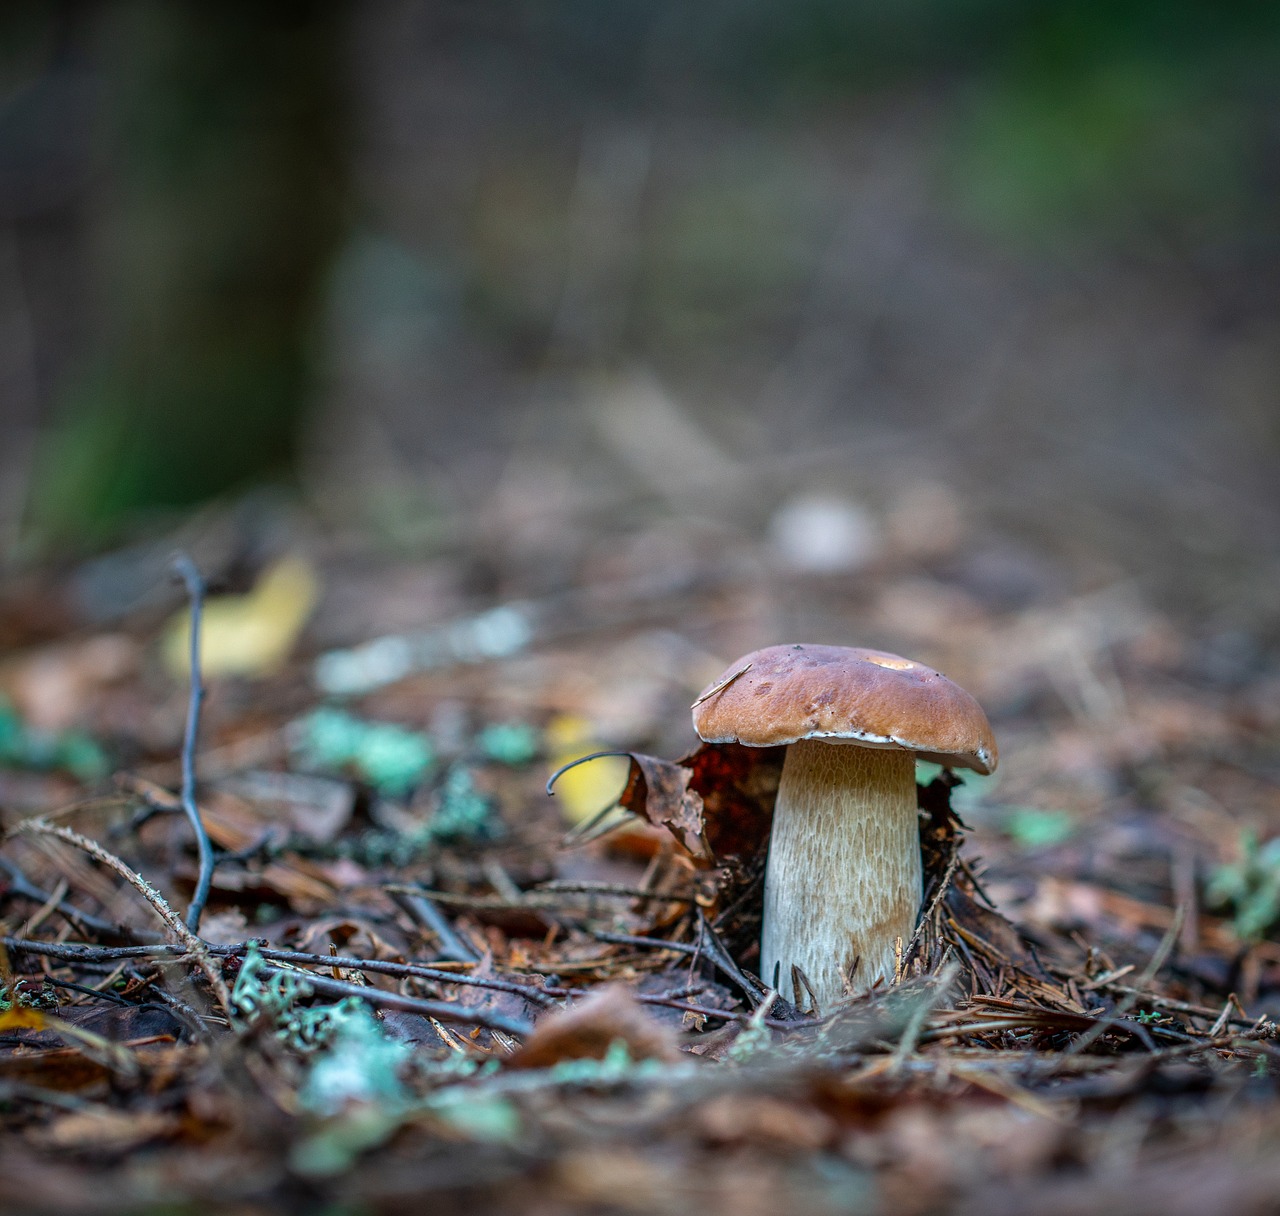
{"x":445,"y":1011}
{"x":559,"y":887}
{"x":630,"y":939}
{"x":190,"y":575}
{"x":720,"y":958}
{"x":188,"y":940}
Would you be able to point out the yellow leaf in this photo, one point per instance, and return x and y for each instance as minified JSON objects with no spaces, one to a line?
{"x":584,"y":791}
{"x":247,"y":635}
{"x":19,"y":1017}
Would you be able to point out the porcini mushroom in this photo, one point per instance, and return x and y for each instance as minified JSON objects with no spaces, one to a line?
{"x":842,"y":882}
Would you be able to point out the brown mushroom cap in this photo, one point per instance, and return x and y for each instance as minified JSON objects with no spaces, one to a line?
{"x":783,"y":694}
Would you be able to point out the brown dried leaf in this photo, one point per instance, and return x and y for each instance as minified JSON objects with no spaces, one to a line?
{"x":100,"y":1129}
{"x":585,"y":1032}
{"x":658,"y":790}
{"x":299,"y":881}
{"x":60,"y":1068}
{"x":757,"y":1119}
{"x":717,"y":801}
{"x":315,"y":807}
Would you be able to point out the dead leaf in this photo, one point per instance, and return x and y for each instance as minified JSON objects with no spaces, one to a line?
{"x":717,"y":801}
{"x":61,"y":1068}
{"x":102,"y":1050}
{"x":586,"y":1031}
{"x":298,"y":881}
{"x":225,"y":928}
{"x":248,"y":635}
{"x":315,"y":807}
{"x":51,"y":686}
{"x":658,"y":790}
{"x":742,"y":1118}
{"x":103,"y":1130}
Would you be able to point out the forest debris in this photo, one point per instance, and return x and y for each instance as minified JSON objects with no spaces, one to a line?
{"x":50,"y":686}
{"x":317,"y":808}
{"x":898,"y":1100}
{"x":751,"y":1119}
{"x":587,"y":1030}
{"x":104,"y":1130}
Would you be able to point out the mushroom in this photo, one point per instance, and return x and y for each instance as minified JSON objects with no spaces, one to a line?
{"x":842,"y":883}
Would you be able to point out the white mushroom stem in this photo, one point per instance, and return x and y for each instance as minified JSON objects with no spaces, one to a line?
{"x":843,"y":878}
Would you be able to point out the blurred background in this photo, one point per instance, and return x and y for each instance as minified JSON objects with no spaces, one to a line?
{"x":554,"y":285}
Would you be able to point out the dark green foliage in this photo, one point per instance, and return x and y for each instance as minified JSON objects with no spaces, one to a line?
{"x":222,"y":209}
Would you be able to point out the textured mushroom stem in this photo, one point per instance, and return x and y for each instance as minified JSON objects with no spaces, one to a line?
{"x":843,"y":878}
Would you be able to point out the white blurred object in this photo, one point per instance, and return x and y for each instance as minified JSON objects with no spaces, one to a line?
{"x":497,"y":633}
{"x":824,"y":534}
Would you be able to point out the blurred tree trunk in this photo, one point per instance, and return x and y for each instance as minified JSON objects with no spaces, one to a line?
{"x":223,"y":209}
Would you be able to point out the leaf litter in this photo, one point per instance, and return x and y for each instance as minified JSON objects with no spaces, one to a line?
{"x":417,"y":980}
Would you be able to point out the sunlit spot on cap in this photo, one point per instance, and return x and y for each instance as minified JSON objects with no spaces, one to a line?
{"x":892,"y":662}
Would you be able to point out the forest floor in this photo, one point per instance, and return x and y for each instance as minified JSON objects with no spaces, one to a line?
{"x":418,"y":980}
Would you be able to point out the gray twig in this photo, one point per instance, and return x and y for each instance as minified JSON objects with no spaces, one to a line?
{"x":630,"y":939}
{"x":443,"y":1011}
{"x":190,"y":575}
{"x":74,"y":952}
{"x":425,"y":913}
{"x":18,"y":884}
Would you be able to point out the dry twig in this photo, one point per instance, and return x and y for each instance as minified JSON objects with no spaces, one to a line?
{"x":188,"y":940}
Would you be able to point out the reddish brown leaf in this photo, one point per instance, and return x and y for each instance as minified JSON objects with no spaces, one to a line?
{"x":717,"y":801}
{"x":738,"y":786}
{"x":585,"y":1032}
{"x":658,"y":790}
